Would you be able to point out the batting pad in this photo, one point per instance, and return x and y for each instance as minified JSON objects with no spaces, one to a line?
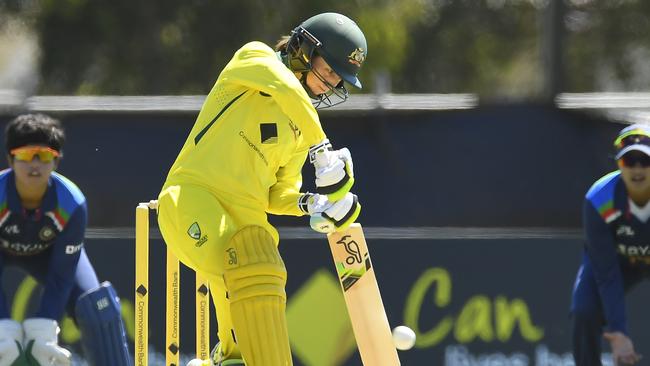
{"x":103,"y":336}
{"x":255,"y":277}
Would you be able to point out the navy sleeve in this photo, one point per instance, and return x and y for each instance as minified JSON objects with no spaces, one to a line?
{"x":63,"y":266}
{"x":601,"y":249}
{"x":4,"y":306}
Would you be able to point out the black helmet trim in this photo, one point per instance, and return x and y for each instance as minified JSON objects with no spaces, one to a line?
{"x":310,"y":37}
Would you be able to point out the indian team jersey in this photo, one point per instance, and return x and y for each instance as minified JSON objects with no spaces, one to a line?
{"x":617,"y":244}
{"x":630,"y":236}
{"x":46,"y":240}
{"x":252,"y":135}
{"x":25,"y":233}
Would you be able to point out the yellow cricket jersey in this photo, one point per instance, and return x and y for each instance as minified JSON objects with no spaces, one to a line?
{"x":252,"y":136}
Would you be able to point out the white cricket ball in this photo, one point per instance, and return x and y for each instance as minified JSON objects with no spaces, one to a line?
{"x":403,"y":337}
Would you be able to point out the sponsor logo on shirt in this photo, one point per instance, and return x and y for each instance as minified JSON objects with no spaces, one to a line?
{"x":254,"y":147}
{"x":295,"y":129}
{"x":634,"y":250}
{"x":72,"y":249}
{"x":624,"y":230}
{"x":23,"y":248}
{"x":12,"y":230}
{"x":269,"y":133}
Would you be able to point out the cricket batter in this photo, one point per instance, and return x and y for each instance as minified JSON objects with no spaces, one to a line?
{"x":243,"y":160}
{"x":42,"y":224}
{"x":617,"y":252}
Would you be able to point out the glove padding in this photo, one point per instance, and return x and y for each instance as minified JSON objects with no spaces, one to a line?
{"x":11,"y":337}
{"x":328,"y":216}
{"x":334,"y":170}
{"x":41,"y":348}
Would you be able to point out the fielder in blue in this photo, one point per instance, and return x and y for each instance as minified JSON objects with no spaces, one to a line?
{"x":42,"y":224}
{"x":616,"y":217}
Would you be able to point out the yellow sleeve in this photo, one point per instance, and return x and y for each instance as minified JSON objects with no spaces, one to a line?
{"x":256,"y":66}
{"x":284,"y":194}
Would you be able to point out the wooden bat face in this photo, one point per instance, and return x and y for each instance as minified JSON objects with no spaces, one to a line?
{"x":362,"y":297}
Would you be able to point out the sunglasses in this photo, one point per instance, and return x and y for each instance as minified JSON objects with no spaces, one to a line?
{"x":631,"y":160}
{"x":27,"y":153}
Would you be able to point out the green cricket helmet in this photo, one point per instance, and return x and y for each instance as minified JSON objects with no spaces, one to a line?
{"x":338,"y":40}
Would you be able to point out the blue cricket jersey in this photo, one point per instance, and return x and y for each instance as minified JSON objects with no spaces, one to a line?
{"x":50,"y":236}
{"x":617,"y":242}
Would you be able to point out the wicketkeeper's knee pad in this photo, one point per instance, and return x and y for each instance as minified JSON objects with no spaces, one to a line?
{"x":255,"y":278}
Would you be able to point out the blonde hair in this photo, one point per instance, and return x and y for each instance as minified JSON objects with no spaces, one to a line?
{"x":281,"y":44}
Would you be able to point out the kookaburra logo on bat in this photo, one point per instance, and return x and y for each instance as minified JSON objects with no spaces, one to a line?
{"x":352,"y":248}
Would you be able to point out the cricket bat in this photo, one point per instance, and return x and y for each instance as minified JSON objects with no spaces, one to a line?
{"x":361,"y":292}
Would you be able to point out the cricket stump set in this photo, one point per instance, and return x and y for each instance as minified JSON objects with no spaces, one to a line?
{"x":172,"y":311}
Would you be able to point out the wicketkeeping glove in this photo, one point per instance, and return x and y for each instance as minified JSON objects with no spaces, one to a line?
{"x":11,"y":337}
{"x":334,"y":170}
{"x":41,"y":348}
{"x":328,"y":216}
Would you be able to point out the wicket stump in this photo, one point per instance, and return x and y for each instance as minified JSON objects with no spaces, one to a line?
{"x":172,"y":353}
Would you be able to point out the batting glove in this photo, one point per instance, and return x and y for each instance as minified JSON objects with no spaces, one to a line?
{"x":334,"y":170}
{"x":328,"y":216}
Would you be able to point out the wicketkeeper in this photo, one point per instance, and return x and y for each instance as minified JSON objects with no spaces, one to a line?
{"x":42,"y":224}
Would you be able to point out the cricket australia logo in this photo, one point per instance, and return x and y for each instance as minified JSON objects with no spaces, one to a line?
{"x":357,"y":57}
{"x":195,"y":233}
